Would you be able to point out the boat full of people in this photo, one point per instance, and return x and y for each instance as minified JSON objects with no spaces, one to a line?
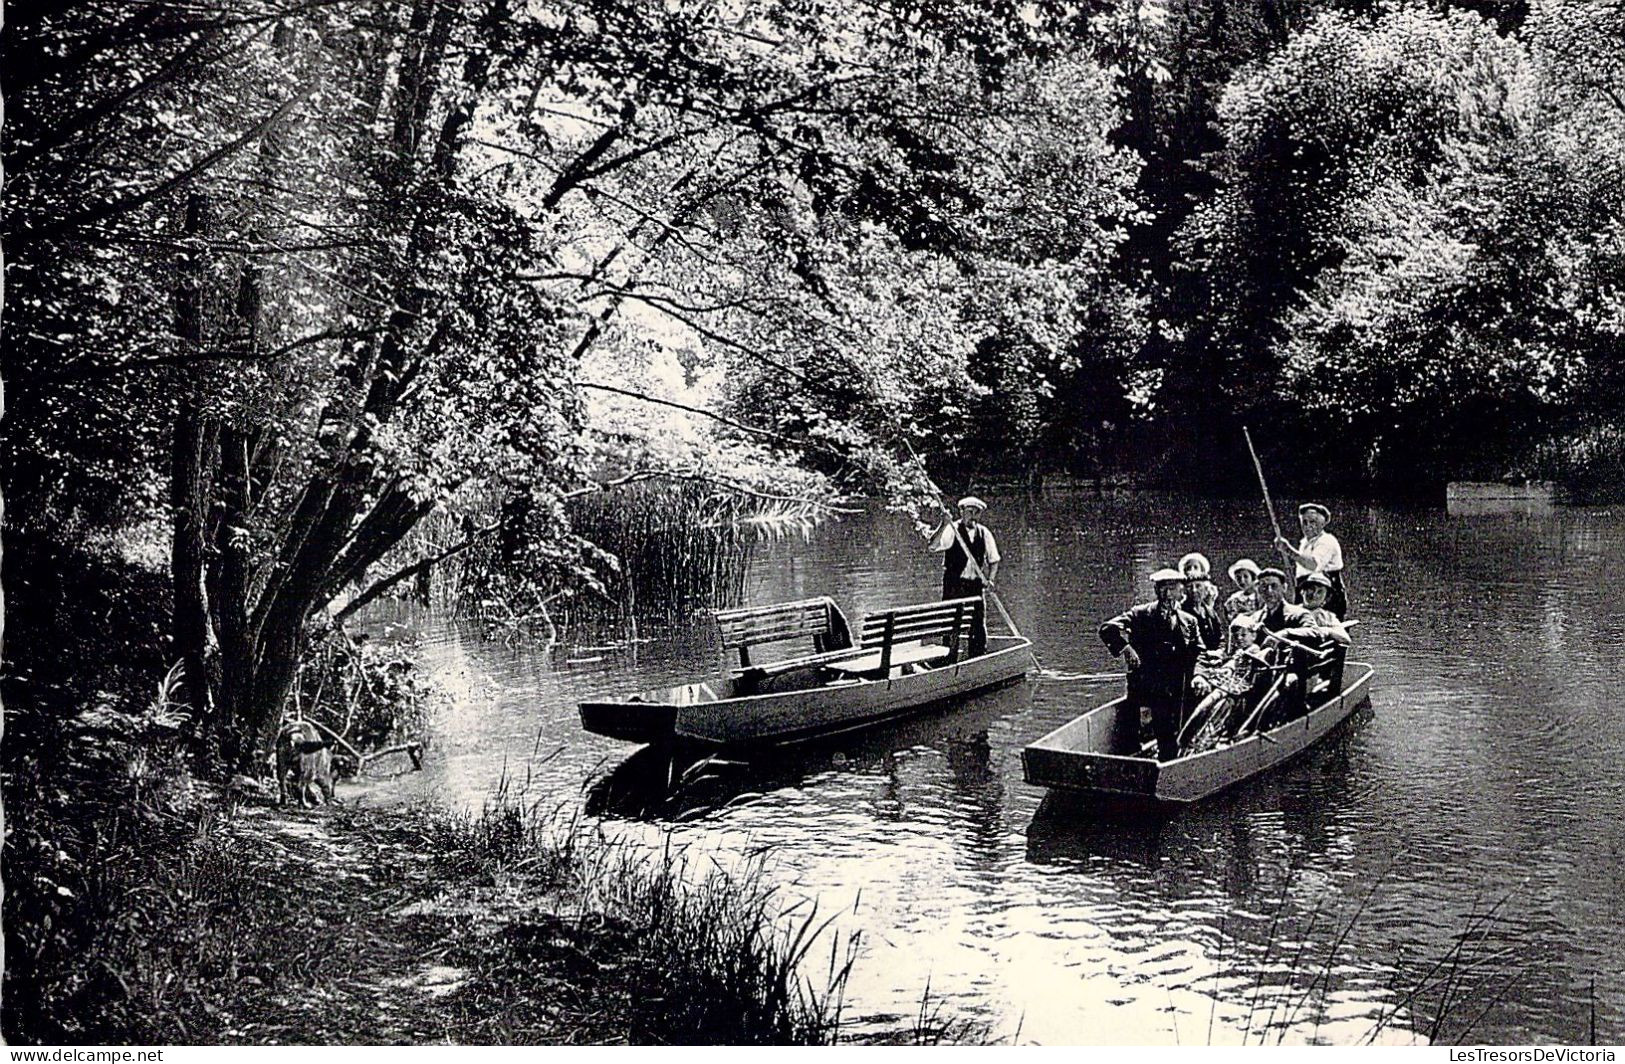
{"x":1102,"y":753}
{"x":1204,"y":711}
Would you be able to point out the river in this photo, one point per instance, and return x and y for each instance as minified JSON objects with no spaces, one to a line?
{"x":1454,"y":852}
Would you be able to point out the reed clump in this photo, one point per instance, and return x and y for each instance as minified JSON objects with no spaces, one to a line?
{"x":679,"y":544}
{"x":654,"y":547}
{"x":701,"y":953}
{"x":176,"y":915}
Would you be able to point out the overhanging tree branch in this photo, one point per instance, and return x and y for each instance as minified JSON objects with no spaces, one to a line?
{"x":221,"y":354}
{"x":714,"y":416}
{"x":667,"y":308}
{"x":406,"y":572}
{"x":124,"y":204}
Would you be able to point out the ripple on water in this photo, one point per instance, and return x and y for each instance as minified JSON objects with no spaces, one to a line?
{"x":1480,"y":799}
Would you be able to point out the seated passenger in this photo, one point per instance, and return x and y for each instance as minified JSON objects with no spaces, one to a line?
{"x":1244,"y":574}
{"x":1228,"y":692}
{"x":1274,"y":616}
{"x":1323,"y":629}
{"x":1200,"y":599}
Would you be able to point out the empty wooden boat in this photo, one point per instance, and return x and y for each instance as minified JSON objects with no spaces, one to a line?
{"x":907,"y":658}
{"x":1100,"y":752}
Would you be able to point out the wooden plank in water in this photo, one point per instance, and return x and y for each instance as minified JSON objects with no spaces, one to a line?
{"x":1471,"y":490}
{"x":1489,"y":497}
{"x":1471,"y":498}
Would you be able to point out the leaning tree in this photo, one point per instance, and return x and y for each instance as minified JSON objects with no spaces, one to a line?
{"x":294,"y":276}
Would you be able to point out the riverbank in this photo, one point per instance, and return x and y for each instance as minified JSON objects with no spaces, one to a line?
{"x":233,"y":923}
{"x":144,"y":904}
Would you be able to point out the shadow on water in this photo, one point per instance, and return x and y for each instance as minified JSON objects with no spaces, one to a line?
{"x":1493,"y":768}
{"x":678,"y":782}
{"x":1080,"y":829}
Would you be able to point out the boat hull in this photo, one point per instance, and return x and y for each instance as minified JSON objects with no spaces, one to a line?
{"x":688,"y":715}
{"x":1098,"y":753}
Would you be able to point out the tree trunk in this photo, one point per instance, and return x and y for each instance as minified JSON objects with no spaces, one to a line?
{"x":347,"y":517}
{"x":192,"y":452}
{"x":231,"y":579}
{"x":193,"y":633}
{"x":280,"y":651}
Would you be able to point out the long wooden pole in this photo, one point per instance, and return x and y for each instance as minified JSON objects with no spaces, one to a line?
{"x":1259,"y":468}
{"x":959,"y":538}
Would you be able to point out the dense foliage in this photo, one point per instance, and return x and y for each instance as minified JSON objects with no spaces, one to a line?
{"x":296,"y":278}
{"x":1457,"y":293}
{"x":1410,"y":262}
{"x":340,"y":292}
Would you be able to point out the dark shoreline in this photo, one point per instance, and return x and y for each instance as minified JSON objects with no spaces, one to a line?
{"x":231,"y":923}
{"x":145,"y":903}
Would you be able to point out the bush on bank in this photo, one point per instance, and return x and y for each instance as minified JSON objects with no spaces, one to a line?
{"x":168,"y":914}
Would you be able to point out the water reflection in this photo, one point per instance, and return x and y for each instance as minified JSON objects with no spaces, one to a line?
{"x":673,"y":783}
{"x":1472,"y":822}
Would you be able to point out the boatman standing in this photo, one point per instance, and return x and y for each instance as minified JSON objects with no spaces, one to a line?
{"x":1159,"y":643}
{"x":967,"y":575}
{"x":1317,"y":552}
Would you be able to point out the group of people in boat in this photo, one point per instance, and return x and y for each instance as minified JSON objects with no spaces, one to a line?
{"x":1205,"y":671}
{"x":1208,"y":673}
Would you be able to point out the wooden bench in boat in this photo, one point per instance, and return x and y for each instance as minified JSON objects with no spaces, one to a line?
{"x":819,"y":619}
{"x":897,"y":637}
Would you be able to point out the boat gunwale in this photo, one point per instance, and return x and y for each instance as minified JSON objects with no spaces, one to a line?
{"x":816,"y":733}
{"x":1336,"y":702}
{"x":1348,"y":698}
{"x":1020,"y":643}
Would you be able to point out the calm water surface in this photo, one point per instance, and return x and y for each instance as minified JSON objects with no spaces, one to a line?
{"x":1457,"y":849}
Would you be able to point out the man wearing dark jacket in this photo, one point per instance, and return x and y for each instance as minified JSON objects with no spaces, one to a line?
{"x":1278,"y":615}
{"x":1159,"y":643}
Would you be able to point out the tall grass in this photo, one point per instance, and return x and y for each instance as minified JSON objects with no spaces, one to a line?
{"x":1290,"y":984}
{"x":680,"y":545}
{"x":721,"y":956}
{"x":650,"y":548}
{"x":190,"y":924}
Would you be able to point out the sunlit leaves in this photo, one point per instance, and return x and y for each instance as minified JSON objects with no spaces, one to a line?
{"x":1468,"y":288}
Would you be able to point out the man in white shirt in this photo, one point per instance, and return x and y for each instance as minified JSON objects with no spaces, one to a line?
{"x":1317,"y":552}
{"x":970,"y":562}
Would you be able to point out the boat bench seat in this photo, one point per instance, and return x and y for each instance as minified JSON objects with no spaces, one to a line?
{"x":819,"y":619}
{"x":898,"y":633}
{"x":901,"y":654}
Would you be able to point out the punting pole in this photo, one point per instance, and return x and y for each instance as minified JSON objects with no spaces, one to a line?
{"x":1259,"y":468}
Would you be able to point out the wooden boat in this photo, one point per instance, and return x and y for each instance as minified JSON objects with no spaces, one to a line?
{"x":1099,"y":753}
{"x":896,"y":669}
